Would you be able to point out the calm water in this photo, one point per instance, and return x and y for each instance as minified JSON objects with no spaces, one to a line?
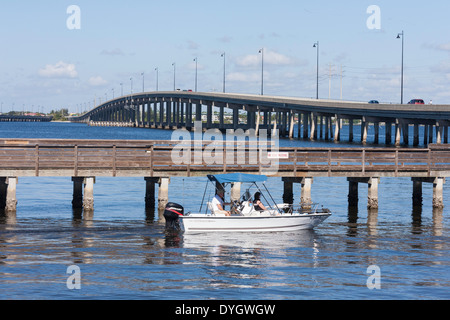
{"x":123,"y":251}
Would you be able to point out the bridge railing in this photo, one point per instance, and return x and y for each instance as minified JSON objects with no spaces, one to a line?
{"x":35,"y":157}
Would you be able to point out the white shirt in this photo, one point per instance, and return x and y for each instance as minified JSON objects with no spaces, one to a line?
{"x":215,"y":202}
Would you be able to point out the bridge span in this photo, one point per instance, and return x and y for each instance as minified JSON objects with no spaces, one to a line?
{"x":316,"y":119}
{"x":23,"y":118}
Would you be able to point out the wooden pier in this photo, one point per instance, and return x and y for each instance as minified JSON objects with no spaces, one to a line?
{"x":84,"y":160}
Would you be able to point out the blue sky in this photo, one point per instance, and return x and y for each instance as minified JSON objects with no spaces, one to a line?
{"x":43,"y":63}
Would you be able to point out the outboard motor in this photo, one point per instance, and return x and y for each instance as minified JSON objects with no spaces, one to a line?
{"x":172,"y":212}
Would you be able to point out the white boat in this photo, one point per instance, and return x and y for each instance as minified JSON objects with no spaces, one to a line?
{"x":244,"y":217}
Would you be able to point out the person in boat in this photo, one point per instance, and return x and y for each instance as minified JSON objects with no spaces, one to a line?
{"x":218,"y":203}
{"x":257,"y":204}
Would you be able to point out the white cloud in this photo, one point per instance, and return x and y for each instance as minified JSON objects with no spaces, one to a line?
{"x":97,"y":81}
{"x":444,"y":47}
{"x":243,"y":77}
{"x":270,"y":57}
{"x":59,"y":70}
{"x":114,"y":52}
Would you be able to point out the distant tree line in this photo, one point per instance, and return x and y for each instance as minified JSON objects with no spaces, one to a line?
{"x":60,"y":115}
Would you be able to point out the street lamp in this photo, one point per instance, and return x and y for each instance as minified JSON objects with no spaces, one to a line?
{"x":403,"y":47}
{"x":157,"y":80}
{"x":196,"y":72}
{"x":262,"y":70}
{"x":316,"y":45}
{"x":143,"y":82}
{"x":174,"y":73}
{"x":224,"y":58}
{"x":131,"y":79}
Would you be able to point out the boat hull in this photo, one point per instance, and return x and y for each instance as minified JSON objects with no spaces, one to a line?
{"x":203,"y":223}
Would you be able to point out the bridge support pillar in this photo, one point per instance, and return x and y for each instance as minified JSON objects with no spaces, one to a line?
{"x":163,"y":192}
{"x":337,"y":127}
{"x":388,"y":130}
{"x":8,"y":200}
{"x":397,"y":134}
{"x":416,"y":135}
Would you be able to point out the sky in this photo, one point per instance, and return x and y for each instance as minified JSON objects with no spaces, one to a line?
{"x":53,"y":58}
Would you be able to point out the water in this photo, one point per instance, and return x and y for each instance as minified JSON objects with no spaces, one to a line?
{"x":124,"y":252}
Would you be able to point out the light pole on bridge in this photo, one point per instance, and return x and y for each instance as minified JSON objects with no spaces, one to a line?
{"x":262,"y":70}
{"x":174,"y":76}
{"x":403,"y":48}
{"x":196,"y":72}
{"x":157,"y":80}
{"x":316,"y":45}
{"x":224,"y":58}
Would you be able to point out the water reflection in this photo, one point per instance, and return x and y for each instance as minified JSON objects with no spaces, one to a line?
{"x":416,"y":224}
{"x":352,"y":218}
{"x":438,"y":221}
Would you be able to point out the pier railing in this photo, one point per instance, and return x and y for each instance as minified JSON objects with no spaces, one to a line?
{"x":82,"y":158}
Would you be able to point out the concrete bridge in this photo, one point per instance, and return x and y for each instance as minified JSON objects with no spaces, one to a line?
{"x":317,"y":119}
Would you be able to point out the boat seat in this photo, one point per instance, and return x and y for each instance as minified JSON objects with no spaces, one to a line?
{"x":247,"y":208}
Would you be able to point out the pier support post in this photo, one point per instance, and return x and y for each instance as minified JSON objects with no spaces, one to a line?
{"x":77,"y":198}
{"x":417,"y":192}
{"x":305,"y":195}
{"x":352,"y":193}
{"x":438,"y":191}
{"x":438,"y":194}
{"x":8,"y":199}
{"x":372,"y":201}
{"x":88,"y":198}
{"x":163,"y":192}
{"x":150,"y":192}
{"x":306,"y":199}
{"x":288,"y":194}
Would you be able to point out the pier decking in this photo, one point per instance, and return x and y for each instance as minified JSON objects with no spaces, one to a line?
{"x":157,"y":161}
